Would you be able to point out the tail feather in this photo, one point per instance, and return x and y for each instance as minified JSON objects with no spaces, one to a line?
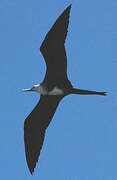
{"x":86,"y":92}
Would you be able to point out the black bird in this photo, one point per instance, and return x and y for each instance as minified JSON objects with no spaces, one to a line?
{"x":53,"y":88}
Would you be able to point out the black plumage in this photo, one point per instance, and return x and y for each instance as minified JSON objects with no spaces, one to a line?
{"x":53,"y":50}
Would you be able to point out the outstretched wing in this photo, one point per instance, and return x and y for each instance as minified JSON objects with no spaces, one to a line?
{"x":35,"y":126}
{"x":53,"y":49}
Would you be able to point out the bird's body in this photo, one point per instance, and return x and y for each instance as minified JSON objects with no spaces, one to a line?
{"x":39,"y":88}
{"x":53,"y":88}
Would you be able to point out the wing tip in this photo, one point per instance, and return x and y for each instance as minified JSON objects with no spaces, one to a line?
{"x":31,"y":169}
{"x":32,"y":166}
{"x":67,"y":10}
{"x":70,"y":6}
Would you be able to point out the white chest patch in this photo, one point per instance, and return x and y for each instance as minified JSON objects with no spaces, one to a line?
{"x":56,"y":91}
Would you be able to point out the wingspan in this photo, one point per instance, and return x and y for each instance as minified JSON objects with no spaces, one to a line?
{"x":35,"y":126}
{"x":53,"y":49}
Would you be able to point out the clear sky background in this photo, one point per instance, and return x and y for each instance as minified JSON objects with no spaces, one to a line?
{"x":81,"y":141}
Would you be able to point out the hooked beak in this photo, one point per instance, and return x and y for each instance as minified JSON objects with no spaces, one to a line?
{"x":24,"y":90}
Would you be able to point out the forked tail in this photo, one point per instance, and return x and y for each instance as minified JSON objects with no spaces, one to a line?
{"x":86,"y":92}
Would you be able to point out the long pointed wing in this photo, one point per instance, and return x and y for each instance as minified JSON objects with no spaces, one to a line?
{"x":35,"y":126}
{"x":53,"y":49}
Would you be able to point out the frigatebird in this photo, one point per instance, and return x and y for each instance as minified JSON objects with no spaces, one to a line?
{"x":53,"y":88}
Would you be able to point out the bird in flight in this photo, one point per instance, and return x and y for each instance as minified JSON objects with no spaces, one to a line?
{"x":53,"y":88}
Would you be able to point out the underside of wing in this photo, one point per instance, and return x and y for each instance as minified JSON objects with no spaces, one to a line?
{"x":35,"y":126}
{"x":53,"y":48}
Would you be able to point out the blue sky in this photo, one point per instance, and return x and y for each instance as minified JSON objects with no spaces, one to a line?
{"x":81,"y":141}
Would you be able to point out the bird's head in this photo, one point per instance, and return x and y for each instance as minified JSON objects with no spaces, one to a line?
{"x":36,"y":88}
